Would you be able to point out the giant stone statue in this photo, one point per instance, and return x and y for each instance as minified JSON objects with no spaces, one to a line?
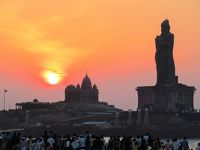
{"x":164,"y":56}
{"x":168,"y":95}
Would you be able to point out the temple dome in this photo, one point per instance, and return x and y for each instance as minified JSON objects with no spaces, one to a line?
{"x":70,"y":88}
{"x":86,"y":83}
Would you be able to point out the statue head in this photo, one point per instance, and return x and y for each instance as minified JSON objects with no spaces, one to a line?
{"x":165,"y":27}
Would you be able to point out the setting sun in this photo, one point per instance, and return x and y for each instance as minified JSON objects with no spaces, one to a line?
{"x":52,"y":77}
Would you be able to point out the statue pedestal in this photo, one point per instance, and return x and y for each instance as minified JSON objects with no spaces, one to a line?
{"x":166,"y":98}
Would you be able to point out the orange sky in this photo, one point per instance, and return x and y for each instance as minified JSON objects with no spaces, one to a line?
{"x":113,"y":40}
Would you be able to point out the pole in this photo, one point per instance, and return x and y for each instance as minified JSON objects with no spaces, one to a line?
{"x":4,"y":101}
{"x":4,"y":105}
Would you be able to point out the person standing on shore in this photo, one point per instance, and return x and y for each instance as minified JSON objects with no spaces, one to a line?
{"x":168,"y":145}
{"x":198,"y":146}
{"x":184,"y":144}
{"x":23,"y":143}
{"x":176,"y":144}
{"x":82,"y":141}
{"x":51,"y":140}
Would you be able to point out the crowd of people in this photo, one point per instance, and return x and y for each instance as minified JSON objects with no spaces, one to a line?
{"x":87,"y":141}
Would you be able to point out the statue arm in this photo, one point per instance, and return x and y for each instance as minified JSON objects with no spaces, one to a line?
{"x":172,"y":41}
{"x":157,"y":42}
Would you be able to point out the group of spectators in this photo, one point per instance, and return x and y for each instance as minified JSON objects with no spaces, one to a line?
{"x":146,"y":142}
{"x":86,"y":141}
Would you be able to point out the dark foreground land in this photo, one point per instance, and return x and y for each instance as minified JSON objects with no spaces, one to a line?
{"x":191,"y":131}
{"x":161,"y":125}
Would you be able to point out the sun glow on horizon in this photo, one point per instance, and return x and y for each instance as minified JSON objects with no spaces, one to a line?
{"x":52,"y":77}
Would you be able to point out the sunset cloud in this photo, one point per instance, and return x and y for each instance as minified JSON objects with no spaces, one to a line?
{"x":28,"y":36}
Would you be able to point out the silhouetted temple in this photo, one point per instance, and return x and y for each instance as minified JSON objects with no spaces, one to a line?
{"x":167,"y":95}
{"x":86,"y":93}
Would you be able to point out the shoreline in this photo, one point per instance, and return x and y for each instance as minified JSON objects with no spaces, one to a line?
{"x":161,"y":132}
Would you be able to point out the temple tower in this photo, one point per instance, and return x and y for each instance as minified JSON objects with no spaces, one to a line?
{"x":86,"y":93}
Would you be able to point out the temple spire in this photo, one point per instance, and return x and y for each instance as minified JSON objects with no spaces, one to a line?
{"x":86,"y":83}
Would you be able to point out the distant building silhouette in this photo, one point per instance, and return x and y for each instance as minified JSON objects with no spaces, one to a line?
{"x":84,"y":94}
{"x":35,"y":104}
{"x":85,"y":98}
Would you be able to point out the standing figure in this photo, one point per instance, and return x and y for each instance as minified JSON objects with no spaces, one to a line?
{"x":164,"y":56}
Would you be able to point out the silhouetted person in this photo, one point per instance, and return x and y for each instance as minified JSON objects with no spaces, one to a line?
{"x":117,"y":143}
{"x":184,"y":144}
{"x":198,"y":146}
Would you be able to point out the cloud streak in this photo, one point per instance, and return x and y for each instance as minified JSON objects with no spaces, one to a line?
{"x":31,"y":37}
